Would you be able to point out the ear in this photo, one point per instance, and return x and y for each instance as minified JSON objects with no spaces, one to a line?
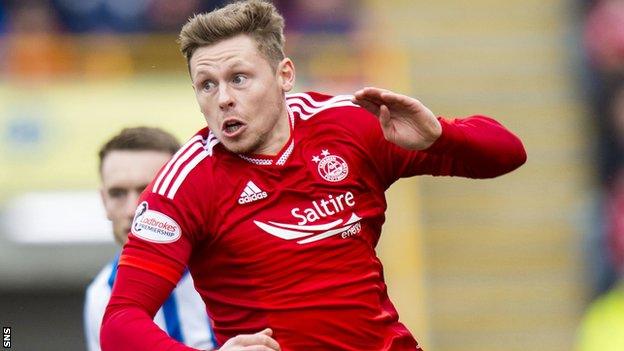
{"x":286,"y":74}
{"x":190,"y":72}
{"x":103,"y":198}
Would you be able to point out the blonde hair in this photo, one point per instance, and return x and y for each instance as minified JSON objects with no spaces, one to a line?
{"x":256,"y":18}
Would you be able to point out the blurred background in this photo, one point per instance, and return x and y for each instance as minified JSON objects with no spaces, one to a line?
{"x":504,"y":264}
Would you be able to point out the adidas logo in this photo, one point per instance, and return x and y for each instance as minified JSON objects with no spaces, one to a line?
{"x":251,"y":193}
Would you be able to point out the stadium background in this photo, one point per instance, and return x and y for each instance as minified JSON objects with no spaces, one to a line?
{"x":472,"y":265}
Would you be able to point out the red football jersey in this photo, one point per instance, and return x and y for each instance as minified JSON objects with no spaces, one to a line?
{"x":288,"y":241}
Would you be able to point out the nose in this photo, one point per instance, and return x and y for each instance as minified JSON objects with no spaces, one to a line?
{"x":226,"y":100}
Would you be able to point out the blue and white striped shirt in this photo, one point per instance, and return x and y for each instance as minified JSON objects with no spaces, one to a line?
{"x":183,"y":315}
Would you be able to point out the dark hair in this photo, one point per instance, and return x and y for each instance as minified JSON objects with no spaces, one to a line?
{"x":140,"y":139}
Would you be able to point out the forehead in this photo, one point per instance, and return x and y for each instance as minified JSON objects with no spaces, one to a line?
{"x":130,"y":167}
{"x":240,"y":49}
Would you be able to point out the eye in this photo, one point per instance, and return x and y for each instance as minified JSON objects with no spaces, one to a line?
{"x":117,"y":193}
{"x":208,"y":85}
{"x":239,"y":79}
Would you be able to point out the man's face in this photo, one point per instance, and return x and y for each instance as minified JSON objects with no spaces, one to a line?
{"x":242,"y":96}
{"x":125,"y":174}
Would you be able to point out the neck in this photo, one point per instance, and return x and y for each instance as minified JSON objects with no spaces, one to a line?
{"x":278,"y":137}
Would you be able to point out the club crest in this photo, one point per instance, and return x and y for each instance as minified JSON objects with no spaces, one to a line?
{"x":332,"y":168}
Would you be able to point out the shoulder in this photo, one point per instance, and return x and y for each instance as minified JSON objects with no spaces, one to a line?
{"x":310,"y":104}
{"x":185,"y":165}
{"x":174,"y":200}
{"x":335,"y":112}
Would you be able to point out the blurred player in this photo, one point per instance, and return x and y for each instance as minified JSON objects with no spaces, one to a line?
{"x":277,"y":206}
{"x":602,"y":325}
{"x":128,"y":162}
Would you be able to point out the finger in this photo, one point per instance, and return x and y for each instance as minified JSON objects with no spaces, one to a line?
{"x":358,"y":100}
{"x":269,"y":341}
{"x":367,"y":105}
{"x":272,"y":343}
{"x":253,"y":340}
{"x":384,"y":118}
{"x":391,"y":99}
{"x":370,"y":91}
{"x":371,"y":94}
{"x":262,"y":338}
{"x":257,"y":348}
{"x":360,"y":93}
{"x":267,"y":331}
{"x":370,"y":99}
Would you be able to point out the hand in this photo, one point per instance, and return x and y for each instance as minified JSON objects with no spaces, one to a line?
{"x":261,"y":341}
{"x":404,"y":121}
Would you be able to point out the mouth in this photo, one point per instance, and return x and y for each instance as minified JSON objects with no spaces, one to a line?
{"x":232,"y":127}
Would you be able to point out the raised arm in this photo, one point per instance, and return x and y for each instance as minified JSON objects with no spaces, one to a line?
{"x":404,"y":120}
{"x":474,"y":147}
